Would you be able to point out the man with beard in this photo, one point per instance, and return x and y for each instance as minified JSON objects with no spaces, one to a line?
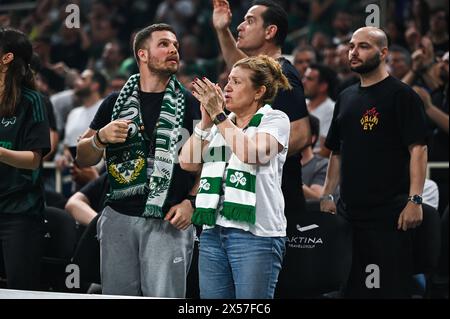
{"x":145,"y":232}
{"x":88,"y":91}
{"x":377,"y":138}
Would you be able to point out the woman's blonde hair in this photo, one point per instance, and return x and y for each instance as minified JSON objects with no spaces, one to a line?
{"x":267,"y":72}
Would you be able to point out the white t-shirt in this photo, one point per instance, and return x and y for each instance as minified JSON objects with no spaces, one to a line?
{"x":270,"y":219}
{"x":431,"y":193}
{"x":324,"y":112}
{"x":78,"y":122}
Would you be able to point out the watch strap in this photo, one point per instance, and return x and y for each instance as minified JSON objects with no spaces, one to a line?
{"x":219,"y":118}
{"x":192,"y":199}
{"x":329,"y":197}
{"x":416,"y":199}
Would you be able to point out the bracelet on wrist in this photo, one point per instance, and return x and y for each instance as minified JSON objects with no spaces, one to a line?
{"x":328,"y":197}
{"x":97,"y":135}
{"x":95,"y":146}
{"x":201,"y":134}
{"x":191,"y":199}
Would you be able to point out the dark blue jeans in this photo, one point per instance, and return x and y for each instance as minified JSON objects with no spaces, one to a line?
{"x":237,"y":264}
{"x":21,"y":239}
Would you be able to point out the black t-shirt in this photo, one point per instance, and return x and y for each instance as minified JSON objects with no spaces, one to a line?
{"x":346,"y":83}
{"x":20,"y":189}
{"x":182,"y":181}
{"x":372,"y":128}
{"x":292,"y":102}
{"x":96,"y":192}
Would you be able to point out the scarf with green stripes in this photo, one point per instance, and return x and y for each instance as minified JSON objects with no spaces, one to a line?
{"x":240,"y":183}
{"x":127,"y":162}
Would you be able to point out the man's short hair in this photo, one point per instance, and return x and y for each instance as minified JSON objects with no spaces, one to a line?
{"x":328,"y":76}
{"x":146,"y":33}
{"x":276,"y":15}
{"x":99,"y":78}
{"x":403,"y":51}
{"x":305,"y":48}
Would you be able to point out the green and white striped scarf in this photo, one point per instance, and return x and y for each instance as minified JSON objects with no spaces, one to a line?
{"x":127,"y":162}
{"x":240,"y":185}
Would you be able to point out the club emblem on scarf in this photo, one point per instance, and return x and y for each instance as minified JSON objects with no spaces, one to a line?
{"x":158,"y":186}
{"x":370,"y":119}
{"x":126,"y":156}
{"x":125,"y":173}
{"x":238,"y":178}
{"x":204,"y":185}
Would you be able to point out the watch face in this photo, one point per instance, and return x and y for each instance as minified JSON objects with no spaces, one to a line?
{"x":416,"y":199}
{"x":220,"y":118}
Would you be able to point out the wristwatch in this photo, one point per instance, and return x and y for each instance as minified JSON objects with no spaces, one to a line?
{"x":191,"y":198}
{"x":416,"y":199}
{"x":327,"y":197}
{"x":220,"y":118}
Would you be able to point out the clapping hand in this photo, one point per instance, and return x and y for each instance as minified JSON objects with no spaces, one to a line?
{"x":210,"y":96}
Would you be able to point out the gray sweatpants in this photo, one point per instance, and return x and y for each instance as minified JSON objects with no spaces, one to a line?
{"x":143,"y":256}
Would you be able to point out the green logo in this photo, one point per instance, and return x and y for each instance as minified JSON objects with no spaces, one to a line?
{"x":6,"y":144}
{"x":204,"y":185}
{"x":238,"y":178}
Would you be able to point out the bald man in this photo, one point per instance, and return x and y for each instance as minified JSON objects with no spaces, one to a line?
{"x":377,"y":138}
